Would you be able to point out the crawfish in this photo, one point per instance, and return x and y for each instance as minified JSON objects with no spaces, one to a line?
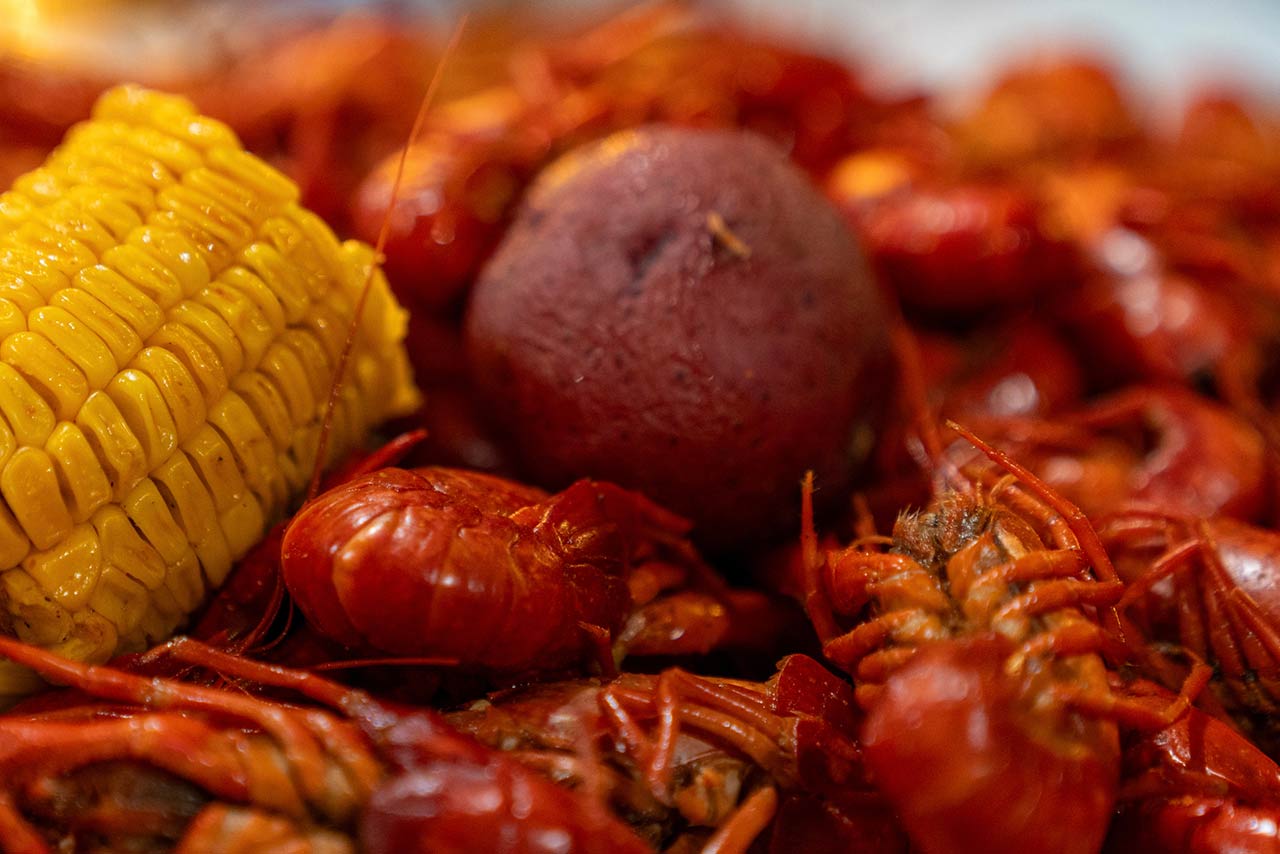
{"x":1194,"y":787}
{"x":401,"y":781}
{"x":980,"y":609}
{"x":1162,"y":446}
{"x":1210,"y":586}
{"x":680,"y":752}
{"x":306,"y":764}
{"x":494,"y":574}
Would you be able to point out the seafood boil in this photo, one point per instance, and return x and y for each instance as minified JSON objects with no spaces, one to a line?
{"x":663,"y":440}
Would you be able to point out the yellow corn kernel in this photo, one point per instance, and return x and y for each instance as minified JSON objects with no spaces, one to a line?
{"x":154,"y":627}
{"x":174,"y":155}
{"x":245,"y":515}
{"x":137,"y":266}
{"x":37,"y":618}
{"x":206,"y":323}
{"x":214,"y":229}
{"x":248,"y":284}
{"x":14,"y":545}
{"x":248,"y":171}
{"x":131,"y":304}
{"x":288,"y":375}
{"x":306,"y":347}
{"x":23,"y":270}
{"x":69,"y":571}
{"x":200,"y":360}
{"x":93,"y":638}
{"x":316,"y":265}
{"x":41,"y":186}
{"x":14,"y":209}
{"x":140,"y":402}
{"x":62,"y":252}
{"x":192,"y":507}
{"x":92,"y":147}
{"x":177,"y":387}
{"x":126,"y":550}
{"x":239,"y":200}
{"x":149,"y":514}
{"x":30,"y":488}
{"x":215,"y":464}
{"x":119,"y":599}
{"x":119,"y":337}
{"x":329,"y":328}
{"x":174,"y":254}
{"x":29,"y":416}
{"x":246,"y":320}
{"x":83,"y":480}
{"x":12,"y":318}
{"x":185,"y":581}
{"x":126,"y":187}
{"x":122,"y":455}
{"x":64,"y":217}
{"x":268,"y":406}
{"x":50,"y":373}
{"x":108,"y":210}
{"x":255,"y":453}
{"x":76,"y":341}
{"x":281,"y":277}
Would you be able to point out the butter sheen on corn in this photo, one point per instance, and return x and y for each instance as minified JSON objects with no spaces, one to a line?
{"x":170,"y":323}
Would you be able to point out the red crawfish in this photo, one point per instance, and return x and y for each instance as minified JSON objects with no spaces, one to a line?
{"x":980,"y":609}
{"x":496,"y":575}
{"x":1196,"y":786}
{"x":399,"y":781}
{"x":678,"y":754}
{"x":1213,"y":588}
{"x":307,"y":765}
{"x":1165,"y":447}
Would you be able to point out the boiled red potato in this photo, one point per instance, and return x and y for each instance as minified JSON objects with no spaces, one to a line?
{"x":682,"y":312}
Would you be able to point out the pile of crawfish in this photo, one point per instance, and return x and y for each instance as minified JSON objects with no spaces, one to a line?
{"x":1068,"y":642}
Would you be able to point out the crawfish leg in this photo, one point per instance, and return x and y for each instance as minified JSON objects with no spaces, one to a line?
{"x":747,"y":822}
{"x":222,"y":829}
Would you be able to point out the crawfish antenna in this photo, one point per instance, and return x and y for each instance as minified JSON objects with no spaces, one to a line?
{"x":1080,"y":525}
{"x":915,"y":398}
{"x":326,"y":425}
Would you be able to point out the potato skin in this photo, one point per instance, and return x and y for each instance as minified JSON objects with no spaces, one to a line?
{"x":617,"y":335}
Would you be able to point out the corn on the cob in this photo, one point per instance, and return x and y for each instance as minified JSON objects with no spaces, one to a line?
{"x":170,"y":321}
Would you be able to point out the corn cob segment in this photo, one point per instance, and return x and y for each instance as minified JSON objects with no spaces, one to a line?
{"x":170,"y":321}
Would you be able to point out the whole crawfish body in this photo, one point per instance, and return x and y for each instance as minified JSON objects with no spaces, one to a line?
{"x":981,"y":743}
{"x":467,"y":566}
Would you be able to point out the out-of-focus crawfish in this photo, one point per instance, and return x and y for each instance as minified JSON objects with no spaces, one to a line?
{"x":1062,"y":107}
{"x":398,"y":781}
{"x":680,"y":754}
{"x":960,"y":248}
{"x":1135,"y":320}
{"x":980,"y":609}
{"x":1145,"y":445}
{"x":496,"y":575}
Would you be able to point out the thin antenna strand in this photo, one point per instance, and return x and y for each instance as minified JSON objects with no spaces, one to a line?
{"x":326,"y":425}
